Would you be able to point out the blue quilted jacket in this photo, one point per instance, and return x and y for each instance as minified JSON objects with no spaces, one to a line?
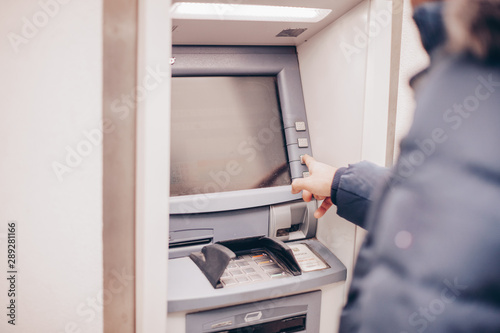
{"x":431,"y":260}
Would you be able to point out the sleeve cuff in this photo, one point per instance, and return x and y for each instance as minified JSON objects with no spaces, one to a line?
{"x":335,"y":184}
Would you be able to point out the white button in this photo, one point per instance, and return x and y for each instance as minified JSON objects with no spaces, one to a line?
{"x":302,"y":142}
{"x":253,"y":316}
{"x":305,"y":174}
{"x":300,"y":126}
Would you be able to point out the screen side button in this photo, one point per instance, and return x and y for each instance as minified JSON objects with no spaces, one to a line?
{"x":303,"y":142}
{"x":300,"y":126}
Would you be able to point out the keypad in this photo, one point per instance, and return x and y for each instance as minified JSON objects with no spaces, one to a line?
{"x":252,"y":267}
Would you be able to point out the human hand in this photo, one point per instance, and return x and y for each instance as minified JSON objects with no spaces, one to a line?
{"x":318,"y":184}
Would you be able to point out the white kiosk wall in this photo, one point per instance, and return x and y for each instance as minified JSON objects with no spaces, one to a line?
{"x":347,"y":89}
{"x":346,"y":78}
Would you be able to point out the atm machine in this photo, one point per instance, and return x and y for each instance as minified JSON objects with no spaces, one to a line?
{"x":246,"y":255}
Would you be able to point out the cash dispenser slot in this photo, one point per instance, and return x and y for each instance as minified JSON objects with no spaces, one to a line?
{"x":292,"y":221}
{"x":190,"y":237}
{"x":284,"y":232}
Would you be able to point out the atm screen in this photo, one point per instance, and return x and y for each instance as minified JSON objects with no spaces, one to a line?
{"x":226,"y":135}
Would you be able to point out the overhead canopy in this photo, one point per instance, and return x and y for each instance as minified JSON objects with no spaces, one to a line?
{"x":231,"y":32}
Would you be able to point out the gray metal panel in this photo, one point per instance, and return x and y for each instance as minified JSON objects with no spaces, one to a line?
{"x":267,"y":311}
{"x":297,"y":168}
{"x":294,"y":151}
{"x":219,"y":61}
{"x":225,"y":225}
{"x":277,"y":61}
{"x":234,"y":200}
{"x":291,"y":96}
{"x":189,"y":289}
{"x":292,"y":135}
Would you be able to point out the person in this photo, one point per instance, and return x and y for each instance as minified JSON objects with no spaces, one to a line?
{"x":429,"y":262}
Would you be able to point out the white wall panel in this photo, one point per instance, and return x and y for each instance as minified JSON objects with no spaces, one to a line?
{"x":51,"y":169}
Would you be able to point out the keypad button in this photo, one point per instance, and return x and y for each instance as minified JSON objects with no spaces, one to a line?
{"x":229,"y":281}
{"x":264,"y":262}
{"x":235,"y":272}
{"x":276,"y":275}
{"x":255,"y":277}
{"x":242,"y":278}
{"x":249,"y":270}
{"x":303,"y":142}
{"x":271,"y":267}
{"x":259,"y":256}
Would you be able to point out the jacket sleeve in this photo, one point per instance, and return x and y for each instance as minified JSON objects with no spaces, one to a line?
{"x":353,"y":190}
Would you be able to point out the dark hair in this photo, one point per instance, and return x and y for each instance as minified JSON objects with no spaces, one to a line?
{"x":473,"y":26}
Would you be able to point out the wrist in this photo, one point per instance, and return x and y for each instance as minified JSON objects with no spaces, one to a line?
{"x":336,"y":183}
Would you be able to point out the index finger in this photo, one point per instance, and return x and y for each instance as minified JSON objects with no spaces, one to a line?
{"x":307,"y":159}
{"x":298,"y":185}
